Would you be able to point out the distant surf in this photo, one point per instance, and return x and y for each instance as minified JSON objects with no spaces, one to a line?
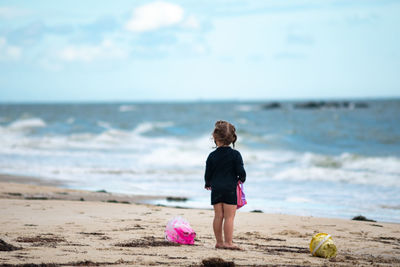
{"x":332,"y":160}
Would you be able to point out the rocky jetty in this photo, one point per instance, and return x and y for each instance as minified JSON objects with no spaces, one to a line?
{"x":329,"y":104}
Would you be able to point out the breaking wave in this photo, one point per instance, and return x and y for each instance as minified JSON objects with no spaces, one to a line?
{"x":134,"y":153}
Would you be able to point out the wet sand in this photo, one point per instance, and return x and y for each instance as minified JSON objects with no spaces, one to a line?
{"x":43,"y":224}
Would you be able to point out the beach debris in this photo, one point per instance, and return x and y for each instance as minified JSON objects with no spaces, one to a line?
{"x":362,"y":218}
{"x":180,"y":207}
{"x":39,"y":265}
{"x":14,"y":194}
{"x":4,"y":246}
{"x":217,"y":262}
{"x":36,"y":197}
{"x":148,"y":241}
{"x":178,"y":230}
{"x":257,"y":211}
{"x":116,"y":201}
{"x":90,"y":263}
{"x":41,"y":240}
{"x":388,"y":240}
{"x":180,"y":199}
{"x":101,"y":191}
{"x":134,"y":227}
{"x":322,"y":245}
{"x":91,"y":233}
{"x":62,"y":193}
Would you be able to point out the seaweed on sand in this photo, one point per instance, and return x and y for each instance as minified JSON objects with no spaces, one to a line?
{"x":4,"y":246}
{"x":149,"y":241}
{"x":217,"y":262}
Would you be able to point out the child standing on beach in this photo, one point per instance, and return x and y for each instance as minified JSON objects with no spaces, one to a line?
{"x":224,"y":168}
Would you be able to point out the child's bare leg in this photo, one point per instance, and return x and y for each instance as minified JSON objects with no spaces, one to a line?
{"x":217,"y":224}
{"x":229,"y":216}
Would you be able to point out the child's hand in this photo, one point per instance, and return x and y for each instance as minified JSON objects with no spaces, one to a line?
{"x":208,"y":187}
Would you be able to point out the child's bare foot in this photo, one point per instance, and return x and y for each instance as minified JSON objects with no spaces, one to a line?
{"x":217,"y":246}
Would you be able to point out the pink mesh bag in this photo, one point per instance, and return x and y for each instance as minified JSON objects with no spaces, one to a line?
{"x":178,"y":230}
{"x":241,"y":198}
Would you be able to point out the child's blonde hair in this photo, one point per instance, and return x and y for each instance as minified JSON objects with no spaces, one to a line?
{"x":224,"y":133}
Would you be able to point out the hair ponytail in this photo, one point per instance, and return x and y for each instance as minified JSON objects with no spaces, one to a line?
{"x":225,"y":133}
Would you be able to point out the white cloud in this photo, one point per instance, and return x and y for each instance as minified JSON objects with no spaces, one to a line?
{"x":9,"y":52}
{"x":88,"y":53}
{"x":199,"y":49}
{"x":191,"y":22}
{"x":12,"y":12}
{"x":154,"y":16}
{"x":51,"y":65}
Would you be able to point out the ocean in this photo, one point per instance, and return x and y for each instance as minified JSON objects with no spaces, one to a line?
{"x":324,"y":159}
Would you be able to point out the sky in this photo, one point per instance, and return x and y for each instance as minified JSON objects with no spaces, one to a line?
{"x":198,"y":50}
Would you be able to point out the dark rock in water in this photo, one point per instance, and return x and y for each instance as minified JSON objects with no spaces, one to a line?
{"x":362,"y":218}
{"x":180,"y":199}
{"x":7,"y":247}
{"x":272,"y":105}
{"x":217,"y":262}
{"x":360,"y":105}
{"x":332,"y":105}
{"x":346,"y":104}
{"x":310,"y":105}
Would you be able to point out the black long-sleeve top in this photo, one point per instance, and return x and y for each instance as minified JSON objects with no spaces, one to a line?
{"x":224,"y":167}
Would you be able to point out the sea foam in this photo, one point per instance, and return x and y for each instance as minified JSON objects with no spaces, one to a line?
{"x":26,"y":124}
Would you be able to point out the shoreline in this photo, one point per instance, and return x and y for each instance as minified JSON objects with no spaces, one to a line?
{"x":11,"y":178}
{"x":57,"y":190}
{"x":35,"y":188}
{"x":52,"y":225}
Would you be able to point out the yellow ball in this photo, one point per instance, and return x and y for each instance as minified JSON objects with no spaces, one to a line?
{"x":322,"y":245}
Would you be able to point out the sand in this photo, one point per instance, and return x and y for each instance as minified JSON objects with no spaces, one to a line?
{"x":53,"y":225}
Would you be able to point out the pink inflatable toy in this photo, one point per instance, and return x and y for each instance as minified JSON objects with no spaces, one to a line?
{"x":178,"y":230}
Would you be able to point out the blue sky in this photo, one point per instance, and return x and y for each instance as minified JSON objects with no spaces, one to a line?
{"x":198,"y":50}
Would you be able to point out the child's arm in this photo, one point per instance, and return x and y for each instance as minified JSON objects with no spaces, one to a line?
{"x":240,"y":172}
{"x":207,"y":175}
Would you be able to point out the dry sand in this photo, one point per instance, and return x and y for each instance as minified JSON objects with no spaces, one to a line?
{"x":52,"y":225}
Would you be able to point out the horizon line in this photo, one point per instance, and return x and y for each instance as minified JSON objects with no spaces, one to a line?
{"x":200,"y":100}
